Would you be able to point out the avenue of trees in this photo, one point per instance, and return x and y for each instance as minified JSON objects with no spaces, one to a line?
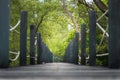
{"x":57,"y":21}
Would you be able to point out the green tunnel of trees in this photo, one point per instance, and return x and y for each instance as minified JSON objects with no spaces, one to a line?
{"x":57,"y":21}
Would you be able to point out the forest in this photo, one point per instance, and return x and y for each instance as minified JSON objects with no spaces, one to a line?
{"x":58,"y":21}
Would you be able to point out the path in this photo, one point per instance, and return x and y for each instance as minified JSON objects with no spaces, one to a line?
{"x":59,"y":71}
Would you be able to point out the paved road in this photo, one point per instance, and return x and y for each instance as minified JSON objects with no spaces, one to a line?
{"x":59,"y":71}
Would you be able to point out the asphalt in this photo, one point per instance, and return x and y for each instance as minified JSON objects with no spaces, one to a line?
{"x":59,"y":71}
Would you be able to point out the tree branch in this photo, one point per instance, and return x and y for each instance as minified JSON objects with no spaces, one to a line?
{"x":98,"y":3}
{"x":86,"y":4}
{"x":101,"y":6}
{"x":70,"y":14}
{"x":40,"y":21}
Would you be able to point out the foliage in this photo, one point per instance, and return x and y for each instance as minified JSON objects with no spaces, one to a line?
{"x":102,"y":61}
{"x":55,"y":26}
{"x":105,"y":1}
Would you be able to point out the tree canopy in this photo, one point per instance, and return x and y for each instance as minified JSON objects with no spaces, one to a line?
{"x":57,"y":21}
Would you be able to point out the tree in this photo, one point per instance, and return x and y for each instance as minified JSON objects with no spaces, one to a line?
{"x":101,"y":4}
